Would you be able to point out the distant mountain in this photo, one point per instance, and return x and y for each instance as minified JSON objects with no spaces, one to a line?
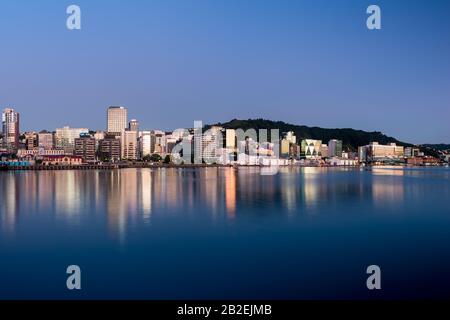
{"x":351,"y":138}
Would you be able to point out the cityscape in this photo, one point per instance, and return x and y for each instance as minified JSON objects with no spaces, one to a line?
{"x":124,"y":144}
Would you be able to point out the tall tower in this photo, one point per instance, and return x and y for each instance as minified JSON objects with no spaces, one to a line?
{"x":117,"y":119}
{"x":10,"y":129}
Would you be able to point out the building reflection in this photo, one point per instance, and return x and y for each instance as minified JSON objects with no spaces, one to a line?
{"x":10,"y":203}
{"x":230,"y":192}
{"x":127,"y":198}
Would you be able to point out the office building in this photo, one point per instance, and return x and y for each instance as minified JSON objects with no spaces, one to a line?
{"x":335,"y":148}
{"x":85,"y":147}
{"x":65,"y":138}
{"x":46,"y":140}
{"x":129,"y":144}
{"x":411,"y":152}
{"x":375,"y":152}
{"x":133,"y":125}
{"x":109,"y":149}
{"x":324,"y":151}
{"x":230,"y":139}
{"x":31,"y":140}
{"x":10,"y":129}
{"x":117,"y":119}
{"x":147,"y":142}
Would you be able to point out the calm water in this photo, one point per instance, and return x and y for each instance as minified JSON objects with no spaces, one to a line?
{"x":225,"y":233}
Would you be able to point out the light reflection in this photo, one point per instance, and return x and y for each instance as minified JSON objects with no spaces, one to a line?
{"x":230,"y":192}
{"x":130,"y":198}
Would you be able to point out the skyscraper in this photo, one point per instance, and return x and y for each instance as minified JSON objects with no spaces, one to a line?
{"x":335,"y":148}
{"x":147,"y":143}
{"x":117,"y":119}
{"x":133,"y":125}
{"x":10,"y":129}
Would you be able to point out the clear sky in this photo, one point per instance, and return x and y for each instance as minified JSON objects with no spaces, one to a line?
{"x":172,"y":62}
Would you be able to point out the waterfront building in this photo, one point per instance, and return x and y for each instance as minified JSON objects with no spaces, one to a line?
{"x":65,"y":160}
{"x":211,"y":143}
{"x":230,"y":139}
{"x":85,"y":147}
{"x":10,"y":129}
{"x":411,"y":152}
{"x":129,"y":144}
{"x":338,"y":161}
{"x":324,"y":151}
{"x":146,"y":143}
{"x":109,"y":148}
{"x":65,"y":138}
{"x":289,"y":148}
{"x":46,"y":140}
{"x":285,"y":148}
{"x":310,"y":148}
{"x":160,"y":142}
{"x":117,"y":119}
{"x":375,"y":152}
{"x":334,"y":148}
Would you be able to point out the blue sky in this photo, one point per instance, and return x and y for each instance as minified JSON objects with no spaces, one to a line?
{"x":172,"y":62}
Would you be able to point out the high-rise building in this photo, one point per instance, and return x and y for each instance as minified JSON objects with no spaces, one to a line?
{"x":46,"y":140}
{"x":285,"y":144}
{"x":212,"y":141}
{"x":335,"y":148}
{"x":129,"y":144}
{"x":133,"y":125}
{"x":10,"y":129}
{"x":109,"y":148}
{"x":65,"y":138}
{"x":117,"y":119}
{"x":325,"y":151}
{"x":146,"y":143}
{"x":230,"y":137}
{"x":85,"y":147}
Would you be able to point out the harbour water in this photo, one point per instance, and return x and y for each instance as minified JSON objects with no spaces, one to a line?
{"x":212,"y":233}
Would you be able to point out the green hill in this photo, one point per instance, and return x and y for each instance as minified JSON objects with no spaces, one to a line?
{"x":351,"y":138}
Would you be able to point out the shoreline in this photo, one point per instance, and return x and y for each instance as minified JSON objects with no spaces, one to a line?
{"x":189,"y":166}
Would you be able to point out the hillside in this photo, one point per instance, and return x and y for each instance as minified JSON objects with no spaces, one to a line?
{"x":351,"y":138}
{"x":440,"y":146}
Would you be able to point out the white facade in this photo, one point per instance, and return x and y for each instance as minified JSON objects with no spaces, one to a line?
{"x":129,"y":144}
{"x":10,"y":128}
{"x":147,"y":143}
{"x":117,"y":119}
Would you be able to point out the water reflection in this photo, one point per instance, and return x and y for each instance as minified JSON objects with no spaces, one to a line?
{"x":123,"y":199}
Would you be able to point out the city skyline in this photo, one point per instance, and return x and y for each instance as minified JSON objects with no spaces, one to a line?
{"x":121,"y":121}
{"x":174,"y":63}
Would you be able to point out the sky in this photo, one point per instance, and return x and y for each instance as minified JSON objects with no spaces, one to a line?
{"x":172,"y":62}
